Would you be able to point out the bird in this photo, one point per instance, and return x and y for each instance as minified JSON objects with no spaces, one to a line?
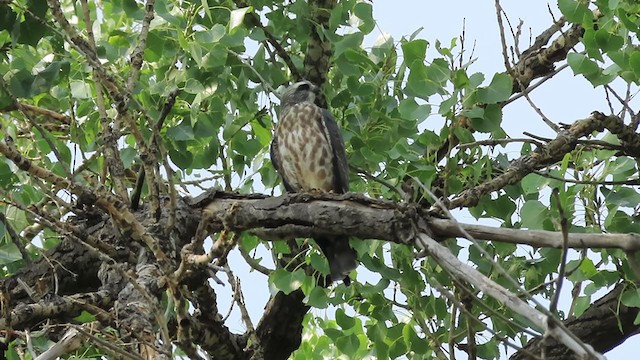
{"x":308,"y":152}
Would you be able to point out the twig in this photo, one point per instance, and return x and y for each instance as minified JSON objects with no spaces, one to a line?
{"x":575,"y":292}
{"x":226,"y":173}
{"x":32,"y":352}
{"x":38,"y":127}
{"x":253,"y":263}
{"x":64,"y":119}
{"x":15,"y":239}
{"x":71,"y":341}
{"x":264,"y":82}
{"x":173,"y":202}
{"x":546,"y":120}
{"x":136,"y":57}
{"x":494,"y":142}
{"x":588,"y":182}
{"x":99,"y":196}
{"x":624,"y":103}
{"x":106,"y":345}
{"x":110,"y":135}
{"x":95,"y":247}
{"x":472,"y":348}
{"x":369,"y":176}
{"x":565,"y":249}
{"x":503,"y":41}
{"x":166,"y":108}
{"x":530,"y":88}
{"x":564,"y":143}
{"x":451,"y":297}
{"x":452,"y":327}
{"x":198,"y":181}
{"x":495,"y":290}
{"x":239,"y":299}
{"x":540,"y":318}
{"x":271,"y":39}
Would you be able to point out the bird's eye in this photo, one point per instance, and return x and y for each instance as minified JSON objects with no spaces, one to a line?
{"x":303,"y":87}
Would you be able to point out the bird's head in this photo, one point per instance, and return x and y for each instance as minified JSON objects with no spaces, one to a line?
{"x":302,"y":91}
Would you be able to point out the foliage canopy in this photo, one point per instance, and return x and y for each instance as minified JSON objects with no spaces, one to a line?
{"x":116,"y":113}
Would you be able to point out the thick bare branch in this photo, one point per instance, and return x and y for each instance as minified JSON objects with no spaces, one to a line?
{"x":24,"y":315}
{"x":539,"y":61}
{"x":555,"y":150}
{"x":305,"y":215}
{"x":605,"y":324}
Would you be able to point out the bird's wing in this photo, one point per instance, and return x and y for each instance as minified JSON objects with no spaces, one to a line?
{"x":277,"y":164}
{"x":340,"y":165}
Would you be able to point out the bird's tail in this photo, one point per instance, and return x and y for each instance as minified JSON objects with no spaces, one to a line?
{"x":342,"y":258}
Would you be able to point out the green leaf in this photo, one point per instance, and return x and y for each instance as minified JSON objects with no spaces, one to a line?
{"x":286,"y":281}
{"x":625,"y":196}
{"x":348,"y":345}
{"x":20,"y":84}
{"x":414,"y":52}
{"x":489,"y":120}
{"x":80,"y":90}
{"x":43,"y":81}
{"x":439,"y":71}
{"x":621,"y":222}
{"x":318,"y":298}
{"x":345,"y":321}
{"x":237,"y":16}
{"x":629,"y":23}
{"x":409,"y":109}
{"x":419,"y":84}
{"x":85,"y":317}
{"x":502,"y":208}
{"x":181,"y":132}
{"x":397,"y":347}
{"x":631,"y":298}
{"x":575,"y":11}
{"x":132,"y":9}
{"x":584,"y":271}
{"x":348,"y":42}
{"x":582,"y":304}
{"x":31,"y":29}
{"x":417,"y":344}
{"x":248,"y":147}
{"x":181,"y":157}
{"x":533,"y":183}
{"x":533,"y":213}
{"x":581,"y":64}
{"x":7,"y":176}
{"x":364,"y":11}
{"x":249,"y":242}
{"x":634,"y":62}
{"x":193,"y":86}
{"x":607,"y":41}
{"x":9,"y":253}
{"x":499,"y":90}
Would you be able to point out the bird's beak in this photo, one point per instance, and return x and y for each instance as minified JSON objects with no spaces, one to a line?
{"x":315,"y":89}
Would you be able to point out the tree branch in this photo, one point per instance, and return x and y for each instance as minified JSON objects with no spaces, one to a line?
{"x":307,"y":215}
{"x":552,"y":152}
{"x":605,"y":324}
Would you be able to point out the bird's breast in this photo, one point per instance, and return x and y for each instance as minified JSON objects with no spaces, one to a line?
{"x":304,"y":150}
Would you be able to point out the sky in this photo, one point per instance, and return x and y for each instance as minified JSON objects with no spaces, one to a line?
{"x":563,"y":99}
